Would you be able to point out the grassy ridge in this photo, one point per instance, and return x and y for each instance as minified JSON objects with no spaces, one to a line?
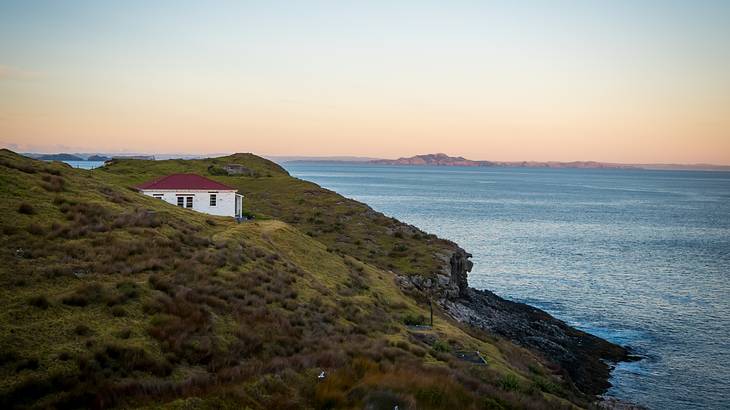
{"x":111,"y":298}
{"x":346,"y":226}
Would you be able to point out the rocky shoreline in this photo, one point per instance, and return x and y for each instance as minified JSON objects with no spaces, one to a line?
{"x":586,"y":359}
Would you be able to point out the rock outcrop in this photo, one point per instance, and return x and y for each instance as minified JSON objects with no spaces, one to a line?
{"x":460,"y":268}
{"x":583,"y":357}
{"x":449,"y":283}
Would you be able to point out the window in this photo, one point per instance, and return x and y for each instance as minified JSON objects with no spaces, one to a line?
{"x":185,"y":201}
{"x":213,"y":200}
{"x":157,"y":196}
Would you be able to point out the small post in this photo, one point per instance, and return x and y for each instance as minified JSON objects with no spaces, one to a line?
{"x":430,"y":306}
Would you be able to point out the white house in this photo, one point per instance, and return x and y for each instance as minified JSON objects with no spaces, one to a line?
{"x":197,"y":193}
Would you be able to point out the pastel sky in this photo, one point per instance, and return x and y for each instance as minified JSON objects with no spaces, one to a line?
{"x":619,"y":81}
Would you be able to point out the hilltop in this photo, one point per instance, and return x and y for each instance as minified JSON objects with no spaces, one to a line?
{"x":113,"y":299}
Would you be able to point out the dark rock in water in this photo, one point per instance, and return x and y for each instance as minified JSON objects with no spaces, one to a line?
{"x":582,"y":356}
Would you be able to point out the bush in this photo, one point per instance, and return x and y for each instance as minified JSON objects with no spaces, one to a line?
{"x":440,"y":346}
{"x":125,"y":291}
{"x":509,"y":382}
{"x":122,"y":361}
{"x":124,"y":334}
{"x":82,"y":330}
{"x":40,"y":302}
{"x":36,"y":229}
{"x":414,"y":320}
{"x":27,"y":364}
{"x":26,"y":209}
{"x":119,"y":311}
{"x":85,"y":295}
{"x":53,"y":183}
{"x":218,"y":171}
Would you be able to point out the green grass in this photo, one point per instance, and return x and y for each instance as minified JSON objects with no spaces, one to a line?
{"x":111,"y":298}
{"x":345,"y":226}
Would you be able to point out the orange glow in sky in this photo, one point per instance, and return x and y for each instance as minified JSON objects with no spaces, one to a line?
{"x":615,"y":81}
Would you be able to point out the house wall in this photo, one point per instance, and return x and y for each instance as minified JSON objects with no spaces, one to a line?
{"x":225,"y":204}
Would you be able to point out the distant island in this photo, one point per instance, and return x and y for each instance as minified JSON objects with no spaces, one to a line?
{"x":441,"y":159}
{"x":59,"y":157}
{"x":87,"y":157}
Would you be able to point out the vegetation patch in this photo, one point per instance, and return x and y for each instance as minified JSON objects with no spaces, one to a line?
{"x":114,"y":299}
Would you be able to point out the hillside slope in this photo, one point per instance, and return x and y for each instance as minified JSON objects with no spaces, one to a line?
{"x":113,"y":299}
{"x":425,"y":266}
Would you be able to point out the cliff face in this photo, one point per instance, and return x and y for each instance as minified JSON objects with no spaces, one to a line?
{"x":449,"y":283}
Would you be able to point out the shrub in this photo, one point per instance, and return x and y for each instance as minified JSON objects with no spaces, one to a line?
{"x":26,"y":209}
{"x":509,"y":382}
{"x":440,"y":346}
{"x":125,"y":291}
{"x":36,"y":229}
{"x":27,"y":364}
{"x":414,"y":320}
{"x":124,"y":334}
{"x":119,"y":311}
{"x":53,"y":183}
{"x":82,"y":330}
{"x":39,"y":301}
{"x":218,"y":171}
{"x":139,"y":218}
{"x":85,"y":295}
{"x":122,"y":361}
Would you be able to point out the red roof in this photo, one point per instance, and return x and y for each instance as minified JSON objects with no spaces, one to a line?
{"x":184,"y":181}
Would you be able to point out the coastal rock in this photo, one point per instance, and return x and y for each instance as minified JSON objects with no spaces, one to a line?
{"x":584,"y":358}
{"x":450,"y":283}
{"x":460,"y":268}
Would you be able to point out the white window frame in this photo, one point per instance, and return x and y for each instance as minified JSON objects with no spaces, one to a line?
{"x":213,"y":199}
{"x":188,"y":201}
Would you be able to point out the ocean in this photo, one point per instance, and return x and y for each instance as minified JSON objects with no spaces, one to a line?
{"x":638,"y":257}
{"x":85,"y":164}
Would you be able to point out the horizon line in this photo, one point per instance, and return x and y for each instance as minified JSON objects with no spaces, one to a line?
{"x":362,"y":158}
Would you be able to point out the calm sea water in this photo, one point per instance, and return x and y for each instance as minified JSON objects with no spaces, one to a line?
{"x":641,"y":258}
{"x":85,"y":164}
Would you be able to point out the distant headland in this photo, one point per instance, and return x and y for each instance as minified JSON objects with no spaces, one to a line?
{"x":444,"y":160}
{"x":441,"y":159}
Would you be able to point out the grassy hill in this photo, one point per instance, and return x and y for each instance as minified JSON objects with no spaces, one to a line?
{"x":345,"y":226}
{"x":114,"y":299}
